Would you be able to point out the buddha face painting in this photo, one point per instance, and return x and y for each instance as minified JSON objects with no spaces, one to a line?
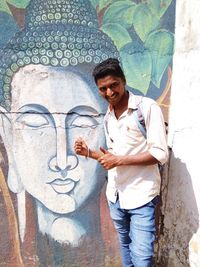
{"x":47,"y":100}
{"x":50,"y":108}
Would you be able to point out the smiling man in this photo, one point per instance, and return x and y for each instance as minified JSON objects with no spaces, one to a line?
{"x":132,"y":163}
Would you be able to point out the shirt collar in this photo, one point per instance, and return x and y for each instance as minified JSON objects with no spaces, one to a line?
{"x":131,"y":103}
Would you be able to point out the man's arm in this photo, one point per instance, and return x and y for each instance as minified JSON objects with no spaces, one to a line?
{"x":82,"y":149}
{"x":109,"y":161}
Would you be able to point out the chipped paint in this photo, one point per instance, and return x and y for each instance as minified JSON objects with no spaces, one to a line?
{"x":179,"y":244}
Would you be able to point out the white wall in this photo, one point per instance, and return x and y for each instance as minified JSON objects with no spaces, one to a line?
{"x":180,"y":245}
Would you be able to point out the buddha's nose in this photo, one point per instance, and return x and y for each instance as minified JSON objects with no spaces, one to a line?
{"x":64,"y":159}
{"x":61,"y":149}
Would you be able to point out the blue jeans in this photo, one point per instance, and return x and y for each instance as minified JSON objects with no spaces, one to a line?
{"x":136,"y":232}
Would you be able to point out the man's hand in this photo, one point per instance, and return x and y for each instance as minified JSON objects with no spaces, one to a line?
{"x":80,"y":147}
{"x":108,"y":160}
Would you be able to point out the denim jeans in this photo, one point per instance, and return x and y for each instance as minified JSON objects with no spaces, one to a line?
{"x":136,"y":232}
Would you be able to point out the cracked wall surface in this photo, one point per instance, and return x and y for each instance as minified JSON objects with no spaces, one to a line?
{"x":180,"y":243}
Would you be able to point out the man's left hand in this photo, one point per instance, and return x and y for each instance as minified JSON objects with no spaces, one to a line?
{"x":108,"y":160}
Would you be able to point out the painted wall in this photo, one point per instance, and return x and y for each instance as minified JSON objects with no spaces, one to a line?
{"x":52,"y":200}
{"x":180,"y":243}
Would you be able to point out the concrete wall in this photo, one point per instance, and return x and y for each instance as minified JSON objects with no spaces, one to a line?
{"x":180,"y":244}
{"x":52,"y":201}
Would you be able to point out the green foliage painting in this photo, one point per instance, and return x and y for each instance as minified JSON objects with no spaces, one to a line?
{"x":136,"y":27}
{"x":4,"y":4}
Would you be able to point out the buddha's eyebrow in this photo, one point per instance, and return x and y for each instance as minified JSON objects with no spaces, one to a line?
{"x":33,"y":108}
{"x":79,"y":110}
{"x":85,"y":111}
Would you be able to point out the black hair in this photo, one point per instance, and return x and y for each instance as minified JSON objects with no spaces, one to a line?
{"x":110,"y":66}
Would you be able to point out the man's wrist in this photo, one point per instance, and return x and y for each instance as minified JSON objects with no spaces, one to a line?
{"x":120,"y":161}
{"x":88,"y":152}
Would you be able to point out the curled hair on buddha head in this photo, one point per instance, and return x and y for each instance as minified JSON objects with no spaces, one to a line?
{"x":58,"y":33}
{"x":110,"y":66}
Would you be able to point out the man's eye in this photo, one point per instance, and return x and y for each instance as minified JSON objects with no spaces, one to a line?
{"x":114,"y":85}
{"x":33,"y":120}
{"x":83,"y":122}
{"x":102,"y":89}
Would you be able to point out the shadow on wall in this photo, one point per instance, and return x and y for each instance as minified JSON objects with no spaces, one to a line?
{"x":181,"y":217}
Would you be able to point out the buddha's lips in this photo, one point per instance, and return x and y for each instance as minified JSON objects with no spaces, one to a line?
{"x":63,"y":186}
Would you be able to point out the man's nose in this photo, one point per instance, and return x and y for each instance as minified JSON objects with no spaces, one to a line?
{"x":109,"y":92}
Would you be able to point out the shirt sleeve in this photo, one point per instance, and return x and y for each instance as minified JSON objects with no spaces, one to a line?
{"x":156,"y":132}
{"x":109,"y":142}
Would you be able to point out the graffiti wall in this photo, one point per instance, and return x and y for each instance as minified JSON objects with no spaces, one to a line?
{"x":52,"y":202}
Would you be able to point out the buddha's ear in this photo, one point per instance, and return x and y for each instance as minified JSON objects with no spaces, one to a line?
{"x":13,"y":179}
{"x":5,"y":127}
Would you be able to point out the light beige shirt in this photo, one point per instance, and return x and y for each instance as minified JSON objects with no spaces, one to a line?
{"x":136,"y":185}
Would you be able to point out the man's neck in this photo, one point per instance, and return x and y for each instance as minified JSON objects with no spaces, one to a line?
{"x":122,"y":105}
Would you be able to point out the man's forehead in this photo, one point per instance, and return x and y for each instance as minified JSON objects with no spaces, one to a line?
{"x":108,"y":79}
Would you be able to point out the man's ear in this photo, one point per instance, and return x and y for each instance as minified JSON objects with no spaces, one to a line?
{"x":13,"y":179}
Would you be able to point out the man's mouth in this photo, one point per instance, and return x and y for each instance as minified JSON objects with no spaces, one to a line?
{"x":63,"y":186}
{"x":111,"y":98}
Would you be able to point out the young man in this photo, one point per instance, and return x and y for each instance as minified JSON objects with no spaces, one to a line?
{"x":132,"y":163}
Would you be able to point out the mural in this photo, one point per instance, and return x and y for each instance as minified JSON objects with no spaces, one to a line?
{"x":52,"y":200}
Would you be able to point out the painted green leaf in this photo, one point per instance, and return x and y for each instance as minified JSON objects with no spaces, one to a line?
{"x":160,"y":45}
{"x":19,"y":4}
{"x":144,"y":21}
{"x":117,"y":33}
{"x":120,"y":12}
{"x":94,"y":3}
{"x":137,"y":66}
{"x":159,"y":7}
{"x":4,"y":7}
{"x":105,"y":3}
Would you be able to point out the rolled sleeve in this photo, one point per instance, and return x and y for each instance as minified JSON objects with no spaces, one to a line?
{"x":156,"y":134}
{"x":159,"y":154}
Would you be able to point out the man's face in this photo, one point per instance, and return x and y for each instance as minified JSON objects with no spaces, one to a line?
{"x":50,"y":109}
{"x":111,"y":88}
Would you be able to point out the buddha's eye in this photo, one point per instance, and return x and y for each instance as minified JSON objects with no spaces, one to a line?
{"x":83,"y":121}
{"x":34,"y":120}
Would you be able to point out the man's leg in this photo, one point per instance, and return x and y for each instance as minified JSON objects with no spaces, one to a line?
{"x":142,"y":233}
{"x":121,"y":220}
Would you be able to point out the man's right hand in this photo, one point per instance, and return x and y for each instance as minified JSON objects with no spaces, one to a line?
{"x":80,"y":147}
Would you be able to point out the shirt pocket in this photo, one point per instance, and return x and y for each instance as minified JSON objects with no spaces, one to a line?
{"x":131,"y":132}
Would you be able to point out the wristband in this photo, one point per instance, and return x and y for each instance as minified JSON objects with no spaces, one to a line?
{"x":88,"y":153}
